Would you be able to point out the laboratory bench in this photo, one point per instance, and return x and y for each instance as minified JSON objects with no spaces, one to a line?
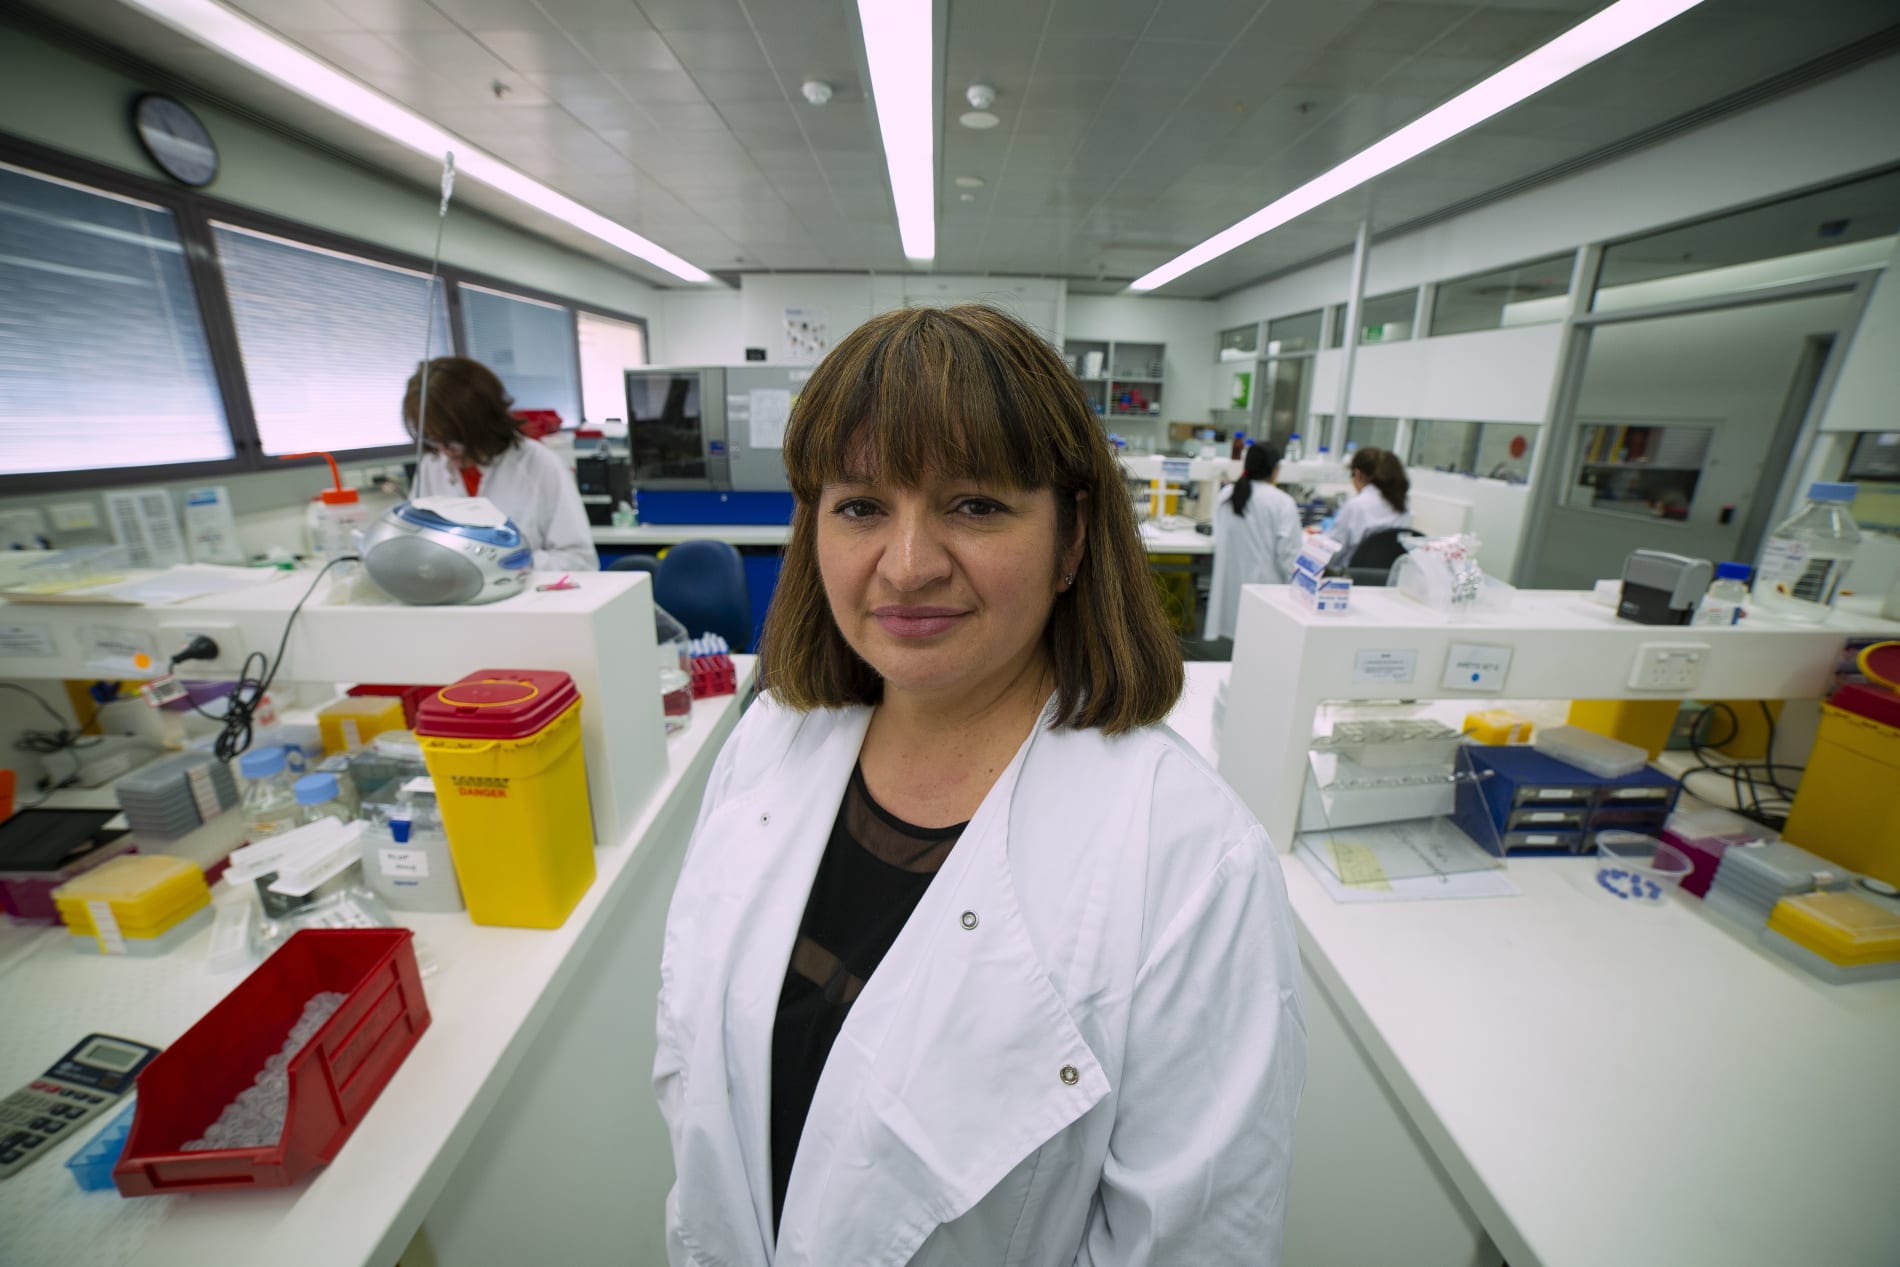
{"x":521,"y":1128}
{"x":1553,"y":1079}
{"x":1174,"y":541}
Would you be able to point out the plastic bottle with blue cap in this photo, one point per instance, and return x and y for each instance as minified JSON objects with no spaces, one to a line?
{"x":321,"y":797}
{"x":1807,"y":555}
{"x":270,"y":805}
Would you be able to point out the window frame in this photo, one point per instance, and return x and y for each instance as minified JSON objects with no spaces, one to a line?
{"x":193,"y":212}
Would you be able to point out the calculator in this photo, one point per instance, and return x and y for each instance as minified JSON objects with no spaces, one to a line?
{"x":85,"y":1081}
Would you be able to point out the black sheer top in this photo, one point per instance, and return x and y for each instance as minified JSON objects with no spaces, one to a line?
{"x":874,"y":872}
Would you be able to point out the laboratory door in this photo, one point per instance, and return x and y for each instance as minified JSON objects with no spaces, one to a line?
{"x":1680,"y":432}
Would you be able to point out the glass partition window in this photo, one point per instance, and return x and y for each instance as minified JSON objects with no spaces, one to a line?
{"x":1239,"y":343}
{"x":1298,"y":333}
{"x":1649,"y":469}
{"x":530,"y":345}
{"x":1388,"y":318}
{"x":103,"y":359}
{"x":1843,"y":228}
{"x":1527,"y":294}
{"x":1371,"y":433}
{"x":1289,"y":386}
{"x":329,"y":340}
{"x":1336,"y":326}
{"x":609,"y":349}
{"x":1490,"y":450}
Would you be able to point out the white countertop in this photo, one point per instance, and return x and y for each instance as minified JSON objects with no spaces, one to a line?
{"x":1614,"y":1085}
{"x":1176,"y":541}
{"x":494,"y":989}
{"x":673,"y":534}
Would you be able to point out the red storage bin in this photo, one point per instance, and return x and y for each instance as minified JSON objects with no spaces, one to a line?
{"x":333,"y":1080}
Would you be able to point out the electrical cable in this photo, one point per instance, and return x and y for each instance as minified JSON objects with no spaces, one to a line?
{"x":248,"y":692}
{"x":1748,"y":797}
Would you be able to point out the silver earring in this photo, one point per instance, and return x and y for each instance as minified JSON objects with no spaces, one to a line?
{"x":1068,"y":581}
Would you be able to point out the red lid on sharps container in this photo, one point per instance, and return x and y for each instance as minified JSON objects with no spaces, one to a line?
{"x":496,"y":704}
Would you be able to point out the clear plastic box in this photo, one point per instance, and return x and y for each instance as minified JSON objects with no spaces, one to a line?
{"x":1638,"y":870}
{"x":1587,"y":750}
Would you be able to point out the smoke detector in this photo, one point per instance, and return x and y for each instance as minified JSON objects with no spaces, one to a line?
{"x":816,"y":91}
{"x":981,"y":97}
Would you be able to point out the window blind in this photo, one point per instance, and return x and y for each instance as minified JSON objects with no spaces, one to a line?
{"x":530,"y":346}
{"x":329,"y":340}
{"x":103,"y":356}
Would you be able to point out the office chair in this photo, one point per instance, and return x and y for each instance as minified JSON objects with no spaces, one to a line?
{"x":635,"y":563}
{"x":1372,"y":559}
{"x":702,"y":583}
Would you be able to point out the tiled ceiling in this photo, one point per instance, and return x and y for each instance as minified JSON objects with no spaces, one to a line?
{"x":1131,"y":129}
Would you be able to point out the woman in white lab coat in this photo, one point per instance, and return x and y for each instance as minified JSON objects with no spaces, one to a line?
{"x":477,"y":450}
{"x":1378,"y":500}
{"x":971,"y":961}
{"x":1256,"y":538}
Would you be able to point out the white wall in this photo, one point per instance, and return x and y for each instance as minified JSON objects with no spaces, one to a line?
{"x":715,"y":328}
{"x":1186,"y":326}
{"x":59,"y":97}
{"x":1866,"y":396}
{"x":1486,"y":376}
{"x":1829,"y":131}
{"x":1497,"y":513}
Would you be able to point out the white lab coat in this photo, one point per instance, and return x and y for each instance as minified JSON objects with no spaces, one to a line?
{"x":1257,"y":548}
{"x":1085,"y":1047}
{"x":536,"y":490}
{"x":1365,"y":512}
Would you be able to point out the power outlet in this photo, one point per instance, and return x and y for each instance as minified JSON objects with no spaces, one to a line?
{"x":1668,"y":666}
{"x":175,"y":635}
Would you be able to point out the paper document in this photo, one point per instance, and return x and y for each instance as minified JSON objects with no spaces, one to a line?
{"x":1371,"y":886}
{"x":144,"y":521}
{"x":771,"y":408}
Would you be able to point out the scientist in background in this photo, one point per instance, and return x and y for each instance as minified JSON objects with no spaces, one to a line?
{"x":477,"y":450}
{"x":1256,"y":537}
{"x":1378,"y":499}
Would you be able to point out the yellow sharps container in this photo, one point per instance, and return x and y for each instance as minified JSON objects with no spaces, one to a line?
{"x":504,"y":749}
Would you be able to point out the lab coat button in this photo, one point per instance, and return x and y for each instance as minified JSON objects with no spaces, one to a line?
{"x":764,"y":819}
{"x":1069,"y":1076}
{"x":969,"y":919}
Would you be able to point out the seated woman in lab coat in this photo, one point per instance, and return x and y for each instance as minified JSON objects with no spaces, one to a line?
{"x":1256,"y":538}
{"x":971,"y":960}
{"x":477,"y":450}
{"x":1378,"y":499}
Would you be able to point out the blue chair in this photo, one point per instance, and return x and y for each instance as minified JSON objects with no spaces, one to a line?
{"x":702,"y":583}
{"x":636,"y":563}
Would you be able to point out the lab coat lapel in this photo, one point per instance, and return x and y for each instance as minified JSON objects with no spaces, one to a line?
{"x":957,"y":1062}
{"x":773,"y":841}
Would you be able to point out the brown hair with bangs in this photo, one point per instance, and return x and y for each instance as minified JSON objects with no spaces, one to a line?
{"x":971,"y":391}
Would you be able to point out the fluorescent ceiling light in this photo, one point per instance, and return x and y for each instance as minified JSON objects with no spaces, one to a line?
{"x":897,"y":35}
{"x":1576,"y":48}
{"x":239,"y":38}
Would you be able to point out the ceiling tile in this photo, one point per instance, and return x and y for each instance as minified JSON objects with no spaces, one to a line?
{"x":394,"y":15}
{"x":686,"y":117}
{"x":656,"y":86}
{"x":298,"y":17}
{"x":717,"y":50}
{"x":537,"y":50}
{"x":696,"y":15}
{"x":739,"y":87}
{"x":596,"y":15}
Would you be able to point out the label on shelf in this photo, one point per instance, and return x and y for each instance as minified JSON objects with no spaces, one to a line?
{"x":1384,"y":666}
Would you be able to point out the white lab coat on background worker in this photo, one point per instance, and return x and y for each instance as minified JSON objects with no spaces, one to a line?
{"x":1364,"y":513}
{"x":1085,"y":1046}
{"x":534,"y":488}
{"x":1256,"y":547}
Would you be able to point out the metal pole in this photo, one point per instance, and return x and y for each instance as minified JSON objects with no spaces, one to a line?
{"x":1343,"y":410}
